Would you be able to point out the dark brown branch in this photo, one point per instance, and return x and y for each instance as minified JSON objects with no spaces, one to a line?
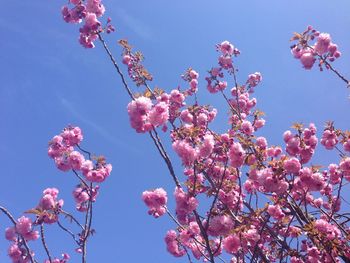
{"x":165,"y":157}
{"x":43,"y":241}
{"x":205,"y":236}
{"x":115,"y":64}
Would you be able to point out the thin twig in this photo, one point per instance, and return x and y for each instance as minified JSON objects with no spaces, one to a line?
{"x":72,"y":218}
{"x":80,"y":178}
{"x":115,"y":64}
{"x":165,"y":157}
{"x":84,"y":151}
{"x":205,"y":236}
{"x":44,"y":242}
{"x":68,"y":231}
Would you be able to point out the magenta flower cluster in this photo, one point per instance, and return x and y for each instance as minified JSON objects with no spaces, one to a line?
{"x":66,"y":157}
{"x":88,"y":11}
{"x":323,"y":48}
{"x":67,"y":153}
{"x":230,"y":166}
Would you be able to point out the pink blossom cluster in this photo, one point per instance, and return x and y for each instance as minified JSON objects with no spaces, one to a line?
{"x":65,"y":258}
{"x":61,"y":149}
{"x":186,"y":152}
{"x":156,"y":201}
{"x":189,"y":239}
{"x":185,"y":204}
{"x":253,"y":80}
{"x":228,"y":51}
{"x":266,"y":181}
{"x":96,"y":172}
{"x":220,"y":225}
{"x":173,"y":246}
{"x":232,"y":244}
{"x":215,"y":166}
{"x":231,"y":197}
{"x":133,"y":60}
{"x":237,"y":155}
{"x":175,"y":100}
{"x":82,"y":195}
{"x":191,"y":76}
{"x":329,"y":139}
{"x":23,"y":230}
{"x":190,"y":153}
{"x":275,"y":211}
{"x":88,"y":11}
{"x":144,"y":115}
{"x":323,"y":48}
{"x":227,"y":168}
{"x":49,"y":207}
{"x":64,"y":149}
{"x":303,"y":144}
{"x":214,"y":82}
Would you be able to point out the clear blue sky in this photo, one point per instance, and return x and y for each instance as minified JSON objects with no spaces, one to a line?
{"x":48,"y":81}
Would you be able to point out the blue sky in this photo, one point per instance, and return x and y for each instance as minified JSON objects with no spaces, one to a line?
{"x":49,"y":81}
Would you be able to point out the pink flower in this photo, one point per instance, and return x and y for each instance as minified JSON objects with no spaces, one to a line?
{"x":307,"y":59}
{"x":344,"y":166}
{"x":50,"y":206}
{"x":259,"y":123}
{"x":186,"y":116}
{"x":261,"y":142}
{"x":270,"y":182}
{"x":311,"y":181}
{"x":226,"y":48}
{"x":173,"y":245}
{"x":72,"y":135}
{"x":74,"y":15}
{"x":232,"y":244}
{"x":15,"y":253}
{"x":329,"y":139}
{"x":207,"y":147}
{"x":346,"y":146}
{"x":159,"y":114}
{"x":156,"y":201}
{"x":292,"y":165}
{"x":327,"y":229}
{"x":62,"y":163}
{"x":185,"y":204}
{"x":10,"y":234}
{"x":138,"y":111}
{"x":24,"y":228}
{"x":86,"y":167}
{"x":75,"y":2}
{"x":220,"y":225}
{"x":335,"y":174}
{"x":99,"y":174}
{"x":322,"y":43}
{"x":296,"y":52}
{"x":65,"y":258}
{"x":95,"y":6}
{"x":254,"y":79}
{"x":75,"y":160}
{"x":186,"y":152}
{"x":247,"y":127}
{"x":81,"y":196}
{"x":236,"y":154}
{"x":194,"y":74}
{"x":275,"y":211}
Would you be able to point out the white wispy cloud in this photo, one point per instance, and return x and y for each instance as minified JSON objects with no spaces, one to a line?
{"x":136,"y":25}
{"x":97,"y":127}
